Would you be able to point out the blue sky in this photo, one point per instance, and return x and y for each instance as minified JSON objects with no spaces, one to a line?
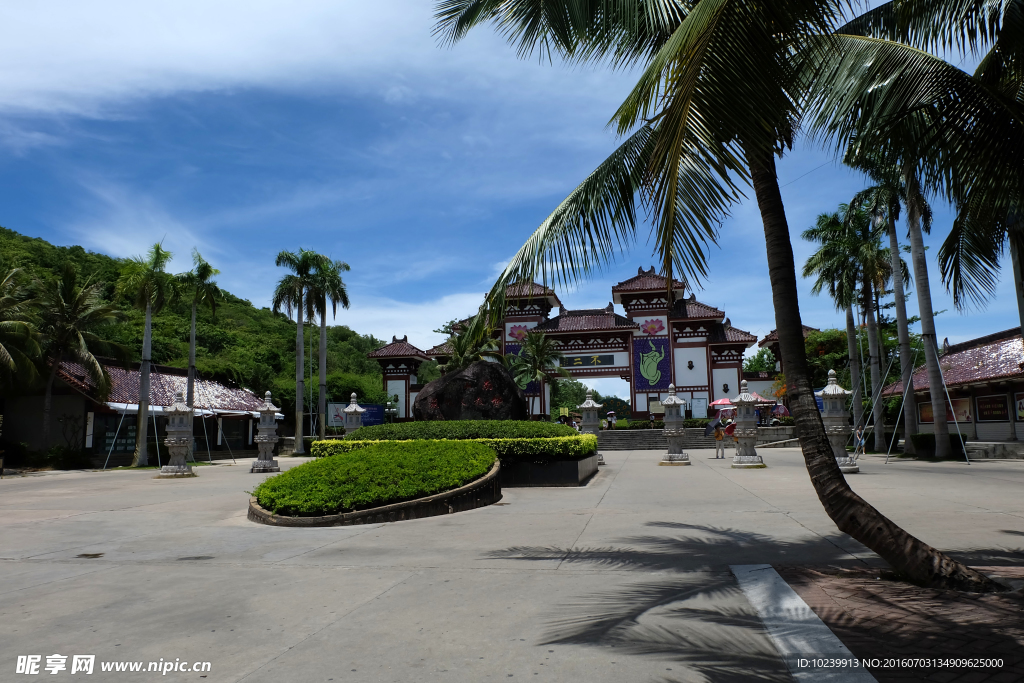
{"x":244,"y":128}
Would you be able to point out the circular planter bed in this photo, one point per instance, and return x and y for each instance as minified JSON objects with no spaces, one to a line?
{"x":479,"y":493}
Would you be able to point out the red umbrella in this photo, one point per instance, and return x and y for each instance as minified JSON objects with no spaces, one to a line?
{"x":721,"y":403}
{"x":730,"y":429}
{"x":780,"y":410}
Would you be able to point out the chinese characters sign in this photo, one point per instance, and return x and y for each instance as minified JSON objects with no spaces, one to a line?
{"x":993,"y":408}
{"x":588,"y":361}
{"x":962,"y":406}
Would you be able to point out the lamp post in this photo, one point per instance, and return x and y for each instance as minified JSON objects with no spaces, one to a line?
{"x":746,"y":431}
{"x":591,"y":421}
{"x":837,"y":422}
{"x":266,"y":437}
{"x":675,"y":432}
{"x":178,"y":440}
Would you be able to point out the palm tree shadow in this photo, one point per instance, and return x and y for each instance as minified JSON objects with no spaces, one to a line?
{"x":696,"y":615}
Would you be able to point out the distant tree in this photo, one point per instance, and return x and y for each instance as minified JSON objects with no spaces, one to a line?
{"x":146,"y":283}
{"x":569,"y":393}
{"x":448,"y":328}
{"x":69,"y":313}
{"x":18,"y":339}
{"x":762,"y":361}
{"x":326,"y":286}
{"x":203,"y":288}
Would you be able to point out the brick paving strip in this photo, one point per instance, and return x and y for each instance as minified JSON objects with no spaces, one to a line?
{"x":878,"y":618}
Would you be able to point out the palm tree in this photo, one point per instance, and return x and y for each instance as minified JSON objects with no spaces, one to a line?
{"x":472,"y":343}
{"x":326,"y":286}
{"x":290,"y":295}
{"x":839,"y":274}
{"x":145,"y":281}
{"x":199,"y":281}
{"x":538,"y":360}
{"x":68,"y":311}
{"x":719,"y":97}
{"x":18,"y":337}
{"x":883,"y":202}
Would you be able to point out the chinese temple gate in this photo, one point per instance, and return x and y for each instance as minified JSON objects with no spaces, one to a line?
{"x":656,"y":343}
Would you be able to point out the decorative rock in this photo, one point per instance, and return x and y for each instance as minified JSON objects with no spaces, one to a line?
{"x":591,"y":420}
{"x":746,"y":431}
{"x":837,"y":422}
{"x":353,"y":415}
{"x":674,"y":431}
{"x":266,"y":437}
{"x":178,"y":440}
{"x":482,"y":391}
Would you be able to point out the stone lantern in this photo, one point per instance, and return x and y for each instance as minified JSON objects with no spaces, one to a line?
{"x":353,"y":415}
{"x":675,"y":432}
{"x":837,"y":422}
{"x":746,"y":431}
{"x":266,"y":437}
{"x":591,"y":420}
{"x":178,"y":440}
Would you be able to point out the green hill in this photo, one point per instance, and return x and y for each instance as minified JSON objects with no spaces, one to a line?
{"x":243,"y":345}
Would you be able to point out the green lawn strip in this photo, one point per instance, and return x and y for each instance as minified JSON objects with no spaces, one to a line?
{"x":461,"y":430}
{"x":574,"y":447}
{"x":380,"y":473}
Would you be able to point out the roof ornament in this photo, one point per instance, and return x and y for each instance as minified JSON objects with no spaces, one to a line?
{"x":610,"y":307}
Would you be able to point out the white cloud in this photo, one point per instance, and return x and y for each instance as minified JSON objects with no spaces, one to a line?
{"x":384,"y":318}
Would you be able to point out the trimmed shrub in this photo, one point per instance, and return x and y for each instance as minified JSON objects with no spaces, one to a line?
{"x":381,"y":473}
{"x":787,"y":421}
{"x":531,"y":450}
{"x":924,"y":445}
{"x":693,"y":422}
{"x":461,"y":430}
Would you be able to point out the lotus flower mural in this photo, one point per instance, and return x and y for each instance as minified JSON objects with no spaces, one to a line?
{"x":652,"y":326}
{"x":517,"y":332}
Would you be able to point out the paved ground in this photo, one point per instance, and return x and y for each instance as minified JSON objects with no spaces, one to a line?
{"x":626,"y":579}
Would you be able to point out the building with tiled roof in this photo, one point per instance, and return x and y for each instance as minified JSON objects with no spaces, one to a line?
{"x":771,"y":341}
{"x":985,"y":380}
{"x":654,"y":342}
{"x":106,"y":425}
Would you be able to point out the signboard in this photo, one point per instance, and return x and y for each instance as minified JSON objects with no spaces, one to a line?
{"x":993,"y":408}
{"x":335,"y":416}
{"x":962,"y":406}
{"x":1019,"y":400}
{"x":655,"y":407}
{"x":699,"y":407}
{"x":374,"y":414}
{"x":588,"y":361}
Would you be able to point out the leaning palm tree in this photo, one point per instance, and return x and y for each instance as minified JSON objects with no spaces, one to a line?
{"x":149,"y":286}
{"x":69,"y":311}
{"x":290,"y":295}
{"x":18,"y":337}
{"x":471,"y":343}
{"x":326,"y":286}
{"x":719,"y":96}
{"x":200,"y":283}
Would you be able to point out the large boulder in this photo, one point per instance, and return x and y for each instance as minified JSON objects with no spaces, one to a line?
{"x":482,"y":391}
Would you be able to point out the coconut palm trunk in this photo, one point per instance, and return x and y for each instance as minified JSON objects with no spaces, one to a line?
{"x":924,"y":304}
{"x":322,"y":403}
{"x":141,"y":458}
{"x":851,"y":513}
{"x":903,"y":330}
{"x":874,"y":363}
{"x":857,"y":398}
{"x":300,"y":386}
{"x":190,"y":388}
{"x":48,"y":403}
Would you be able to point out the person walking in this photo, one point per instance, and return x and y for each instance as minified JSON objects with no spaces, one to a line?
{"x":719,"y":442}
{"x":858,"y":442}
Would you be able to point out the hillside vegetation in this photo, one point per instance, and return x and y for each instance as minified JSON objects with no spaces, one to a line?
{"x":243,"y":345}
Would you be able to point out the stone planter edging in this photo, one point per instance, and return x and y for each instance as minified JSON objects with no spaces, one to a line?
{"x":475,"y":494}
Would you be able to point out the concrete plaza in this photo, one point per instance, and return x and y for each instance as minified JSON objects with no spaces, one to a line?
{"x":626,"y":579}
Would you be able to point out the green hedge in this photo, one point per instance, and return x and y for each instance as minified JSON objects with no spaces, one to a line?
{"x":461,"y":430}
{"x":532,"y":450}
{"x":380,"y":474}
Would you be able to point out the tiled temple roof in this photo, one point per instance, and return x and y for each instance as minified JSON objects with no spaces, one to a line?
{"x":773,"y":336}
{"x":398,"y":348}
{"x":164,"y":382}
{"x":992,"y":357}
{"x":647,"y":281}
{"x":725,"y":334}
{"x":442,"y":349}
{"x":586,"y":320}
{"x":691,"y":309}
{"x":523,"y":290}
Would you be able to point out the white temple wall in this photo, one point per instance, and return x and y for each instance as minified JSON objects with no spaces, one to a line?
{"x":685,"y":377}
{"x":722,"y":376}
{"x":397,"y":386}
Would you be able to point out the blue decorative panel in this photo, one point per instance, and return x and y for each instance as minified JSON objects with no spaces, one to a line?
{"x":652,"y":364}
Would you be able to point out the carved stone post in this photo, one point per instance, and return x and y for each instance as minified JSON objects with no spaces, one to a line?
{"x":591,"y":420}
{"x":837,"y":422}
{"x":266,"y":437}
{"x":675,"y":432}
{"x":178,"y":440}
{"x":353,"y":415}
{"x":746,"y":431}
